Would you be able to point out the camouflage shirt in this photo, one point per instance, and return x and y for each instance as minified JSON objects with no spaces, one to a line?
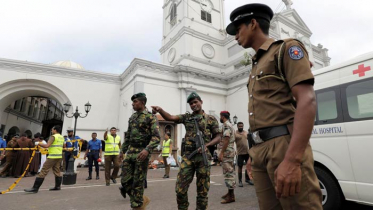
{"x":207,"y":124}
{"x":143,"y":131}
{"x":228,"y":131}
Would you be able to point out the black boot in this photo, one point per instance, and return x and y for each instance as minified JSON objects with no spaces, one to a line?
{"x":37,"y":184}
{"x":58,"y":184}
{"x":247,"y":178}
{"x":89,"y":176}
{"x":97,"y":175}
{"x":240,"y":180}
{"x":122,"y":191}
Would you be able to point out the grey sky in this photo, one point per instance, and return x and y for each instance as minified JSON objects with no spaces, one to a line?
{"x":107,"y":35}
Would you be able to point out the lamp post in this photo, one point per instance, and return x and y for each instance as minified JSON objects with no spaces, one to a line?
{"x":70,"y":176}
{"x":235,"y":118}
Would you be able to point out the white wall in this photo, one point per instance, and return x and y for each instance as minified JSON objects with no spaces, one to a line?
{"x":103,"y":96}
{"x":11,"y":120}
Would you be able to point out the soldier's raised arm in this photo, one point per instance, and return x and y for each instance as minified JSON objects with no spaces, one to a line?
{"x":164,"y":114}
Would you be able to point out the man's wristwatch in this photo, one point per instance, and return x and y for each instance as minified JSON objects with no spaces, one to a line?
{"x":147,"y":149}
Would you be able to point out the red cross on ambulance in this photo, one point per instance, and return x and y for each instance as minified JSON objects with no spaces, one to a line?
{"x":361,"y":70}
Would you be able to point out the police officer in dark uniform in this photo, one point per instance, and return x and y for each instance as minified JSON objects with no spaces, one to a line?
{"x":94,"y":152}
{"x":282,"y":110}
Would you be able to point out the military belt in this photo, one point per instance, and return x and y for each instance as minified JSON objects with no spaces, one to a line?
{"x":266,"y":134}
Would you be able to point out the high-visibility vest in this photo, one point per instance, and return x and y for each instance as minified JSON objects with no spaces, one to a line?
{"x":166,"y":147}
{"x":55,"y":150}
{"x":112,"y":145}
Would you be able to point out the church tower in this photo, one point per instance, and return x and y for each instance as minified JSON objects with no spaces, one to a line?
{"x":193,"y":33}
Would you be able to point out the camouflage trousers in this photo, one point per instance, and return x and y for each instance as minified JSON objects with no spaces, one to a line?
{"x":228,"y":172}
{"x":185,"y":177}
{"x":133,"y":176}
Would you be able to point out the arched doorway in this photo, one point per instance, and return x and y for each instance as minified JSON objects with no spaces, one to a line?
{"x":12,"y":131}
{"x":19,"y":89}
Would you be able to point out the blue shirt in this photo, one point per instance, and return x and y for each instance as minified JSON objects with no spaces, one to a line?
{"x":94,"y":145}
{"x":69,"y":144}
{"x":2,"y":143}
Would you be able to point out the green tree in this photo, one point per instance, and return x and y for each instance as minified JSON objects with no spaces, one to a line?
{"x":247,"y":59}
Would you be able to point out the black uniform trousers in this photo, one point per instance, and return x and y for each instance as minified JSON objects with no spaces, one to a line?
{"x":93,"y":155}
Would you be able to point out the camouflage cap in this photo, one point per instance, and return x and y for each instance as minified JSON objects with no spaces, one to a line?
{"x":192,"y":96}
{"x":138,"y":95}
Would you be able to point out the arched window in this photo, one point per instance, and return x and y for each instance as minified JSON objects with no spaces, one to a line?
{"x":36,"y":109}
{"x":23,"y":105}
{"x":206,"y":9}
{"x":31,"y":107}
{"x":173,"y":14}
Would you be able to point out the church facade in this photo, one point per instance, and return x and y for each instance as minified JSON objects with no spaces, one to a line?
{"x":196,"y":54}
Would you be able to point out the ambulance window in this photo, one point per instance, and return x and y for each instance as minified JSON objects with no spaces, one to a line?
{"x":360,"y":99}
{"x":327,"y":106}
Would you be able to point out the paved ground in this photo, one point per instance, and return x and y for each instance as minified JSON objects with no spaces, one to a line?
{"x":95,"y":195}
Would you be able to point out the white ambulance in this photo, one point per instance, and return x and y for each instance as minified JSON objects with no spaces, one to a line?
{"x":342,"y":138}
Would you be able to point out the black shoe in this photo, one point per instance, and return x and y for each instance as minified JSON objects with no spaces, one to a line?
{"x":167,"y":177}
{"x":97,"y":177}
{"x":58,"y":184}
{"x":164,"y":176}
{"x":89,"y":176}
{"x":251,"y":182}
{"x":37,"y":184}
{"x":114,"y":181}
{"x":247,"y":181}
{"x":240,"y":184}
{"x":107,"y":184}
{"x":122,"y":191}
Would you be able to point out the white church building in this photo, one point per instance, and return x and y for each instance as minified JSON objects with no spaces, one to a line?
{"x":196,"y":55}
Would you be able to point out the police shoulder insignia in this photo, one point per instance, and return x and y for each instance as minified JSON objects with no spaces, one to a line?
{"x":296,"y":53}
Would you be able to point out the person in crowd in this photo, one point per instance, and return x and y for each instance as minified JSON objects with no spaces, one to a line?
{"x":22,"y":157}
{"x":112,"y":147}
{"x":94,"y":152}
{"x":242,"y":153}
{"x":143,"y":136}
{"x":35,"y":163}
{"x":43,"y":152}
{"x":282,"y":110}
{"x":226,"y":157}
{"x":55,"y":145}
{"x":166,"y":152}
{"x":209,"y":126}
{"x":10,"y":156}
{"x":69,"y":143}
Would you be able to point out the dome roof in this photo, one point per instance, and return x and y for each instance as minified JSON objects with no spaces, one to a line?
{"x":68,"y":64}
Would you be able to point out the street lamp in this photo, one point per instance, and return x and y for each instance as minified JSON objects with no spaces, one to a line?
{"x":70,"y":176}
{"x":235,"y":118}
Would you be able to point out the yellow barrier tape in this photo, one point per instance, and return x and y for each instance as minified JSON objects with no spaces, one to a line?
{"x":19,"y":179}
{"x":80,"y":149}
{"x":32,"y":157}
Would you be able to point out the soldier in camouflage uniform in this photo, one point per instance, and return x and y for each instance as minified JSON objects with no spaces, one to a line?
{"x":209,"y":126}
{"x":142,"y":136}
{"x":226,"y":156}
